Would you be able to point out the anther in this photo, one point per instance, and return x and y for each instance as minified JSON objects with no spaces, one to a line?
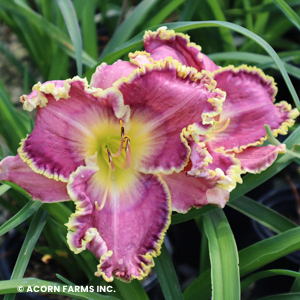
{"x":128,"y":153}
{"x":127,"y":141}
{"x":110,"y":161}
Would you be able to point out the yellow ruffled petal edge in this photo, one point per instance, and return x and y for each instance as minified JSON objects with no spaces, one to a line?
{"x":226,"y":181}
{"x":285,"y":106}
{"x":24,"y":156}
{"x":167,"y":34}
{"x":30,"y":103}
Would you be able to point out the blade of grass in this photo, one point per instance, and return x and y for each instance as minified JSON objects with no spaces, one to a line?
{"x":69,"y":14}
{"x":17,"y":188}
{"x":262,"y":214}
{"x":249,"y":21}
{"x":227,"y":38}
{"x":250,"y":259}
{"x":223,"y":256}
{"x":189,"y":9}
{"x":4,"y":188}
{"x":32,"y":235}
{"x":164,"y":12}
{"x":289,"y":296}
{"x":123,"y":33}
{"x":52,"y":31}
{"x":288,"y":12}
{"x":89,"y":33}
{"x":13,"y":126}
{"x":22,"y":215}
{"x":132,"y":291}
{"x":268,"y":250}
{"x":265,"y":274}
{"x":166,"y":275}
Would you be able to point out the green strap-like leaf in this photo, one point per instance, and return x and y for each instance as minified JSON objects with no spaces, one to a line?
{"x":69,"y":14}
{"x":262,"y":214}
{"x":62,"y":40}
{"x":34,"y":231}
{"x":265,"y":274}
{"x":166,"y":275}
{"x":290,"y":296}
{"x":251,"y":259}
{"x":30,"y":208}
{"x":268,"y":250}
{"x":4,"y":188}
{"x":223,"y":256}
{"x":125,"y":30}
{"x":132,"y":291}
{"x":288,"y":12}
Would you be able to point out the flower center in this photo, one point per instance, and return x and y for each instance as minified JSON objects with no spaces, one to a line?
{"x":115,"y":159}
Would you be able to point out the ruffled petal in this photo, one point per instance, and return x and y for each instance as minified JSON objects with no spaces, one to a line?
{"x":128,"y":232}
{"x":207,"y":179}
{"x":69,"y":118}
{"x":248,"y":107}
{"x":170,"y":101}
{"x":13,"y":169}
{"x":220,"y":167}
{"x":105,"y":75}
{"x":164,"y":43}
{"x":257,"y":159}
{"x":187,"y":192}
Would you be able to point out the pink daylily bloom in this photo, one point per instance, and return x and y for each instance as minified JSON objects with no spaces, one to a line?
{"x":234,"y":144}
{"x":239,"y":132}
{"x":143,"y":133}
{"x":108,"y":150}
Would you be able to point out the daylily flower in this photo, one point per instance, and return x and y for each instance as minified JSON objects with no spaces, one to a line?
{"x":107,"y":151}
{"x":234,"y":144}
{"x":144,"y":132}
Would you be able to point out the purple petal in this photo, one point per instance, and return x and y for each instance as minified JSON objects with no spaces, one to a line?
{"x":127,"y":233}
{"x":164,"y":43}
{"x":13,"y":169}
{"x":248,"y":107}
{"x":257,"y":159}
{"x":67,"y":129}
{"x":166,"y":98}
{"x":106,"y":75}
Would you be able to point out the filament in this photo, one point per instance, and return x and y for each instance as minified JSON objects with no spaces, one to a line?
{"x":105,"y":192}
{"x":128,"y":153}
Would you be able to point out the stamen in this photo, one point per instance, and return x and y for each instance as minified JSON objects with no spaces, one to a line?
{"x":118,"y":153}
{"x":223,"y":127}
{"x":109,"y":154}
{"x":105,"y":191}
{"x":128,"y":153}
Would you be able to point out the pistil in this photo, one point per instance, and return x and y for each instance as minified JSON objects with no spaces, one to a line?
{"x":222,"y":128}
